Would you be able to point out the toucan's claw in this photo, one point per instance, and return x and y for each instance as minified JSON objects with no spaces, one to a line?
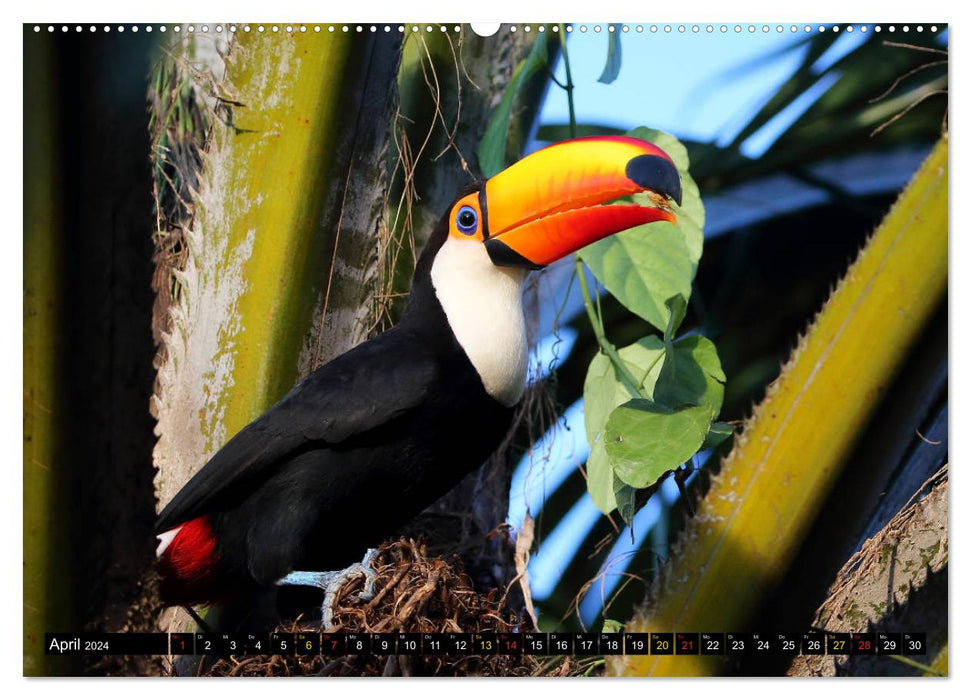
{"x":331,"y":583}
{"x":370,"y":575}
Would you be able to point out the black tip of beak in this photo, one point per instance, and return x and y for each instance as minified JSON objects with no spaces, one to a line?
{"x":656,"y":173}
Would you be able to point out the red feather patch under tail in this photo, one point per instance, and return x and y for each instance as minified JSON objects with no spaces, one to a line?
{"x":189,"y":565}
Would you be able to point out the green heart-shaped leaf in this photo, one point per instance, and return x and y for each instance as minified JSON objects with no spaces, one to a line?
{"x":644,"y":439}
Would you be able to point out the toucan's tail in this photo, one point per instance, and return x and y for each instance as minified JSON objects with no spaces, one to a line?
{"x":188,"y":561}
{"x":193,"y":574}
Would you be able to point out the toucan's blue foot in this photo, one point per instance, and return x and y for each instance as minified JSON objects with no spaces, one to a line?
{"x":331,"y":583}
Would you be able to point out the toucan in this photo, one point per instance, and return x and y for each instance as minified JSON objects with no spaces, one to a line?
{"x":368,"y":440}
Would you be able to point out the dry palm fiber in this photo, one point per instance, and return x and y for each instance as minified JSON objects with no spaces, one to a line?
{"x":413,"y":593}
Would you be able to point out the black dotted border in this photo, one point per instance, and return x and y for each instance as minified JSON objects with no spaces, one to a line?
{"x":582,"y":28}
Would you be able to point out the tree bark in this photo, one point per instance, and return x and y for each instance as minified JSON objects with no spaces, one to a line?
{"x":279,"y":270}
{"x":897,"y":581}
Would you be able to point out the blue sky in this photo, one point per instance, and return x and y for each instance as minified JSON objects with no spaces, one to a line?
{"x":698,"y":86}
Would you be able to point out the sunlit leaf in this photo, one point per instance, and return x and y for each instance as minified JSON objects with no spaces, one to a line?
{"x":677,"y":307}
{"x":696,"y":380}
{"x":666,"y":142}
{"x":645,"y":266}
{"x":692,"y":375}
{"x":602,"y":393}
{"x":612,"y":627}
{"x":644,"y":439}
{"x":600,"y":477}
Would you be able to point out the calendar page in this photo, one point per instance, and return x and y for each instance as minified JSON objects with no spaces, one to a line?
{"x":553,"y":349}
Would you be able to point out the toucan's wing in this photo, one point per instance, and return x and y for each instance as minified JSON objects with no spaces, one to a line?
{"x":359,"y":391}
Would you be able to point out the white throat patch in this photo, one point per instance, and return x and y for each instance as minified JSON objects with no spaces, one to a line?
{"x":484,"y":306}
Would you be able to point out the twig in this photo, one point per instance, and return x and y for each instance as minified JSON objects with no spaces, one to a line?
{"x":390,"y":586}
{"x":928,"y":49}
{"x":628,"y":379}
{"x":569,"y":82}
{"x":906,"y":109}
{"x":904,"y":77}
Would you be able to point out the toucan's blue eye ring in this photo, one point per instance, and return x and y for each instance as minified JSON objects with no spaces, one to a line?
{"x":467,"y":220}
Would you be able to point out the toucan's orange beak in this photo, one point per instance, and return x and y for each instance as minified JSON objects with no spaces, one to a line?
{"x":551,"y":203}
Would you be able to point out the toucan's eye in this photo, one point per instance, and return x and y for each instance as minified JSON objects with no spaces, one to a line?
{"x":467,"y":220}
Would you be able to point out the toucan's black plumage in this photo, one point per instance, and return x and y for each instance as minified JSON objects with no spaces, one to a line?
{"x":355,"y":450}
